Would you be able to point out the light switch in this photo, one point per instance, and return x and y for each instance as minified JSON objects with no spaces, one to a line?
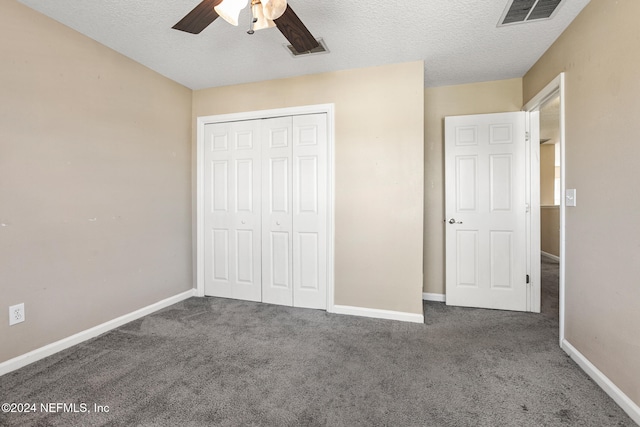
{"x":570,"y":196}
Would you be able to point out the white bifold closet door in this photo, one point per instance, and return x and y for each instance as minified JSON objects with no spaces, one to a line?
{"x":232,"y":215}
{"x":266,"y":210}
{"x":277,"y":211}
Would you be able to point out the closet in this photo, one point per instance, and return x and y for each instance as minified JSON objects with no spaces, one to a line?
{"x":265,"y":210}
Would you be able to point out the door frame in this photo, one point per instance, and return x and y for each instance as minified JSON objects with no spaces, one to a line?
{"x":329,"y":110}
{"x":532,"y":188}
{"x":554,"y":88}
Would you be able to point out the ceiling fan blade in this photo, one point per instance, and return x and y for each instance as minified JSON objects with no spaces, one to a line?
{"x":294,"y":30}
{"x":199,"y":18}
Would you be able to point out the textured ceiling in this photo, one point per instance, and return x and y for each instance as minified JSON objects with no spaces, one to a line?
{"x":458,"y":40}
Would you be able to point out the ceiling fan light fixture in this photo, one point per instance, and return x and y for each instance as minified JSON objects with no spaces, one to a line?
{"x":260,"y":21}
{"x":229,"y":10}
{"x":274,"y":9}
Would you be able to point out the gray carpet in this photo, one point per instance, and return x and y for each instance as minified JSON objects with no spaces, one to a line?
{"x":209,"y":361}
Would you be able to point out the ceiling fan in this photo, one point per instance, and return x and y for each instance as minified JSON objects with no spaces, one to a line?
{"x":266,"y":14}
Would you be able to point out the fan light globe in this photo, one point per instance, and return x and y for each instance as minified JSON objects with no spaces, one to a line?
{"x":273,"y":9}
{"x":229,"y":10}
{"x":262,"y":22}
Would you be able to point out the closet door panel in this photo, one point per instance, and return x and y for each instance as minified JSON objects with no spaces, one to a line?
{"x":232,"y":210}
{"x":276,"y":135}
{"x":310,"y":211}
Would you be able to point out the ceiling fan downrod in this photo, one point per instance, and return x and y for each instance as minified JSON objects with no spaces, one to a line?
{"x":259,"y":20}
{"x":254,"y":18}
{"x":253,"y":21}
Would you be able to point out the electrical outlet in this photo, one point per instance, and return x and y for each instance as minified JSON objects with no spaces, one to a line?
{"x":16,"y":314}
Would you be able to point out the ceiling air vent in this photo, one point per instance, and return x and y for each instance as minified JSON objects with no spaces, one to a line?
{"x":519,"y":11}
{"x":322,"y":48}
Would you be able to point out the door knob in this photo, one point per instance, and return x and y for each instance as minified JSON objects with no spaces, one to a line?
{"x":453,"y":221}
{"x":277,"y":222}
{"x":243,"y":221}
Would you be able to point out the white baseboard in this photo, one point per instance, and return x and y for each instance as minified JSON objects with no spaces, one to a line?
{"x":378,"y":314}
{"x":605,"y":383}
{"x":551,"y":256}
{"x":49,"y":349}
{"x":434,"y":297}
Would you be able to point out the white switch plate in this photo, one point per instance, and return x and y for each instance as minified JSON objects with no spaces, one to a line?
{"x":570,"y":196}
{"x":16,"y":314}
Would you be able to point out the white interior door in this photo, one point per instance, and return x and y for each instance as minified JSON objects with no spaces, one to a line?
{"x":277,"y":218}
{"x":232,"y":210}
{"x":486,"y":211}
{"x":310,"y":211}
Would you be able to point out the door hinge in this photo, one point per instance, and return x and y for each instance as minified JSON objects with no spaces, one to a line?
{"x":527,"y":136}
{"x":528,"y":281}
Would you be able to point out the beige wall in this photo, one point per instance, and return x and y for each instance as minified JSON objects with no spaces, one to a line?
{"x":550,"y":230}
{"x":600,"y":56}
{"x":476,"y":98}
{"x":547,"y":174}
{"x":549,"y":214}
{"x":95,"y":185}
{"x":378,"y":173}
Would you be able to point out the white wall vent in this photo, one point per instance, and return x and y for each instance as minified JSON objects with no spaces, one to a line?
{"x":519,"y":11}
